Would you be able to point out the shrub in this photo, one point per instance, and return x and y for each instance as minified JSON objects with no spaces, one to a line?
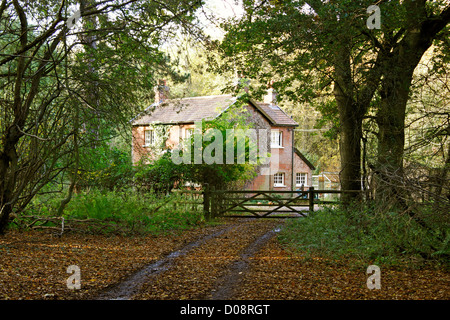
{"x":127,"y":211}
{"x":366,"y":237}
{"x":160,"y":176}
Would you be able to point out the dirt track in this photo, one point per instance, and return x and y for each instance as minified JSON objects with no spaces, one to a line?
{"x":244,"y":260}
{"x":240,"y":259}
{"x":209,"y":268}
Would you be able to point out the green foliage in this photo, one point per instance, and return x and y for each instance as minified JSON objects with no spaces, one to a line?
{"x":161,"y":175}
{"x":220,"y":174}
{"x":62,"y":86}
{"x":127,"y":211}
{"x":106,"y":167}
{"x":367,"y":238}
{"x":323,"y":54}
{"x":202,"y":81}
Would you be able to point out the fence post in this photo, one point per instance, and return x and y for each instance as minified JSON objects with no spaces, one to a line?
{"x":206,"y":208}
{"x":311,"y":199}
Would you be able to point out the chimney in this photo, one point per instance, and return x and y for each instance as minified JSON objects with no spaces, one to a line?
{"x":161,"y":91}
{"x":271,"y":95}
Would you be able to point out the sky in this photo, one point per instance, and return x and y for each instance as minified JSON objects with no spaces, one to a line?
{"x":220,"y":9}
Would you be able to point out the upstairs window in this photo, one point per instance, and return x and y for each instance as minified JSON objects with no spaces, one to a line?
{"x":276,"y":139}
{"x":149,"y":138}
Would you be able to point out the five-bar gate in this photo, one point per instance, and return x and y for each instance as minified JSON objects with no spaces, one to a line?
{"x":258,"y":204}
{"x":262,"y":203}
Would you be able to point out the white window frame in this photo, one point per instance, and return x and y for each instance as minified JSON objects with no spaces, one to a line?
{"x":149,"y":140}
{"x":276,"y":181}
{"x":189,"y":132}
{"x":298,"y":179}
{"x":276,"y":138}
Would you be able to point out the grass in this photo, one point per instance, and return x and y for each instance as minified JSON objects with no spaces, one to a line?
{"x":365,"y":237}
{"x":130,"y":211}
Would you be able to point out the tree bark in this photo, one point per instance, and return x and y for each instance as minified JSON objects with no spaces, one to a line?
{"x":350,"y":118}
{"x":398,"y":71}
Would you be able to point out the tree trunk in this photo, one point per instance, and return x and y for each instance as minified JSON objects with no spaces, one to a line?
{"x":395,"y":87}
{"x":350,"y":150}
{"x":350,"y":118}
{"x":391,"y":133}
{"x":8,"y":168}
{"x":6,"y":210}
{"x":421,"y":29}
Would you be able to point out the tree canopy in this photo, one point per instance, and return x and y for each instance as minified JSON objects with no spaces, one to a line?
{"x":71,"y":73}
{"x":309,"y":50}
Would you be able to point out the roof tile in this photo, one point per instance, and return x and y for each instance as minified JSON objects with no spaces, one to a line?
{"x":189,"y":110}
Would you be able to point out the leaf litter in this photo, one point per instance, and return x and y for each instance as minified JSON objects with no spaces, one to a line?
{"x":33,"y":265}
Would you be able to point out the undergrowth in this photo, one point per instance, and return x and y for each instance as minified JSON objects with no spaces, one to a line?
{"x":124,"y":211}
{"x":363,"y":236}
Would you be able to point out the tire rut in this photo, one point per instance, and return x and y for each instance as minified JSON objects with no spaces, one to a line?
{"x":209,"y":268}
{"x":230,"y":282}
{"x":126,"y":289}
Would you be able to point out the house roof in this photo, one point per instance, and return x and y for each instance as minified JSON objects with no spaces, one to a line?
{"x":275,"y":114}
{"x":189,"y":110}
{"x":186,"y":110}
{"x":309,"y":164}
{"x":333,"y":177}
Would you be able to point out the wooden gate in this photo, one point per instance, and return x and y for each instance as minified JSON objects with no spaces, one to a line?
{"x":259,"y":204}
{"x":262,"y":203}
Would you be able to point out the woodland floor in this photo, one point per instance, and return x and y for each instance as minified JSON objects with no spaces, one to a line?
{"x":238,"y":259}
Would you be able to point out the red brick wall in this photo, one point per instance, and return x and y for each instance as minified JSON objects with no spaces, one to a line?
{"x":138,"y":151}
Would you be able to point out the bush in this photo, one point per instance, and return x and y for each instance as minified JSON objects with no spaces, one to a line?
{"x":366,"y":237}
{"x":106,"y":168}
{"x":127,"y":211}
{"x":160,"y":176}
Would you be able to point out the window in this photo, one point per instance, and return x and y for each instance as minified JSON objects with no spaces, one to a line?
{"x":149,"y":138}
{"x":188,"y":133}
{"x":301,"y":179}
{"x":276,"y":139}
{"x":278,"y":179}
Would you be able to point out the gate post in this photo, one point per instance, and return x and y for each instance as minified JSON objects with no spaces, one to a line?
{"x":311,"y":199}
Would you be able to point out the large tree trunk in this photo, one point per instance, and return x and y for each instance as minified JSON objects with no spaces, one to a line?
{"x":421,"y":29}
{"x":395,"y":88}
{"x":391,"y":133}
{"x":350,"y":117}
{"x":5,"y":200}
{"x":350,"y":150}
{"x":8,"y":174}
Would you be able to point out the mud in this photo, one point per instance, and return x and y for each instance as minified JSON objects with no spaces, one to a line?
{"x":126,"y":289}
{"x":226,"y":286}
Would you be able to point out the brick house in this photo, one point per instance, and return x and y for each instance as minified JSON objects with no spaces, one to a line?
{"x":168,"y":121}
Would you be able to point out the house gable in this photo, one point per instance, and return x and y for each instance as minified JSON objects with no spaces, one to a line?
{"x":304,"y":159}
